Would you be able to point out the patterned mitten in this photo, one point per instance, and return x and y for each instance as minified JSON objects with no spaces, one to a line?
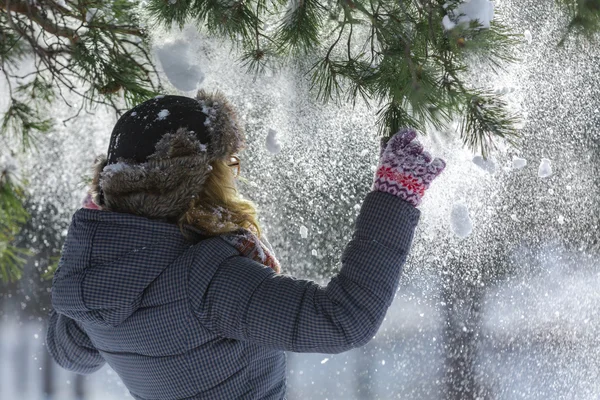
{"x":405,"y":170}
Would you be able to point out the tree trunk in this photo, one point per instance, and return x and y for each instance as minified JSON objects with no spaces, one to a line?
{"x":364,"y":373}
{"x":462,"y":333}
{"x":48,"y":388}
{"x":79,"y":386}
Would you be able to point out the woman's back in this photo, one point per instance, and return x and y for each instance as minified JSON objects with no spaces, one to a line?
{"x":126,"y":280}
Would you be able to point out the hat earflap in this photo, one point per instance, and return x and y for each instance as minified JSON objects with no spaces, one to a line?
{"x":162,"y":187}
{"x":226,"y":137}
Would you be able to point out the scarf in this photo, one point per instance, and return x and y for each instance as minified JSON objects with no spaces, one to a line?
{"x":244,"y":241}
{"x":252,"y":247}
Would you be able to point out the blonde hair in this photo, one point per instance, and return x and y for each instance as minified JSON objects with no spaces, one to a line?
{"x":219,"y":208}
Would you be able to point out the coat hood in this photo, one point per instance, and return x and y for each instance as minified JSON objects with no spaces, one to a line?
{"x":108,"y":261}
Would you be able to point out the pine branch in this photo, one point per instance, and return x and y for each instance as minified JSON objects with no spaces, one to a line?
{"x":93,"y":58}
{"x":325,"y":73}
{"x":300,"y":28}
{"x":167,"y":14}
{"x":402,"y":64}
{"x":584,"y":18}
{"x":393,"y":117}
{"x":487,"y":117}
{"x":12,"y":217}
{"x":33,"y":13}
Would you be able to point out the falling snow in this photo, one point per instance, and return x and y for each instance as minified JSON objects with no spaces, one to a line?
{"x":272,"y":143}
{"x":461,"y":223}
{"x":519,"y":163}
{"x":162,"y":114}
{"x":486,"y":164}
{"x":180,"y":66}
{"x":545,"y":169}
{"x":481,"y":11}
{"x":303,"y":232}
{"x":517,"y":246}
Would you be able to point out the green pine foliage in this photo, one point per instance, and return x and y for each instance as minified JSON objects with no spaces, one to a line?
{"x":12,"y":217}
{"x":584,"y":18}
{"x":395,"y":55}
{"x":84,"y":53}
{"x":88,"y":52}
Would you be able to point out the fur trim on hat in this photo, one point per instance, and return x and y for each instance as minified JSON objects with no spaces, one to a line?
{"x":226,"y":136}
{"x":161,"y":188}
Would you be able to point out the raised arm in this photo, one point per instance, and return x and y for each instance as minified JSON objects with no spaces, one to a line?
{"x":248,"y":301}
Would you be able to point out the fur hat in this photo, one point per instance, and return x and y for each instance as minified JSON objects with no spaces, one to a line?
{"x":160,"y":153}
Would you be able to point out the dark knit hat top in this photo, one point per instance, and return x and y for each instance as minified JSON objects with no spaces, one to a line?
{"x":137,"y":132}
{"x":209,"y":117}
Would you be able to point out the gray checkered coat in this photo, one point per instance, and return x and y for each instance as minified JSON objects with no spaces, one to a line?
{"x":178,"y":320}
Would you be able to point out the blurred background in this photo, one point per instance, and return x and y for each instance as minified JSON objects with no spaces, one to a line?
{"x":500,"y":297}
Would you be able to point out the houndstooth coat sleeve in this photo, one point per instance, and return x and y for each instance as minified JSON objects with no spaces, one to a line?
{"x":248,"y":301}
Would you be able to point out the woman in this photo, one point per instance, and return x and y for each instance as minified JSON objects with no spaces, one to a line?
{"x":168,"y":279}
